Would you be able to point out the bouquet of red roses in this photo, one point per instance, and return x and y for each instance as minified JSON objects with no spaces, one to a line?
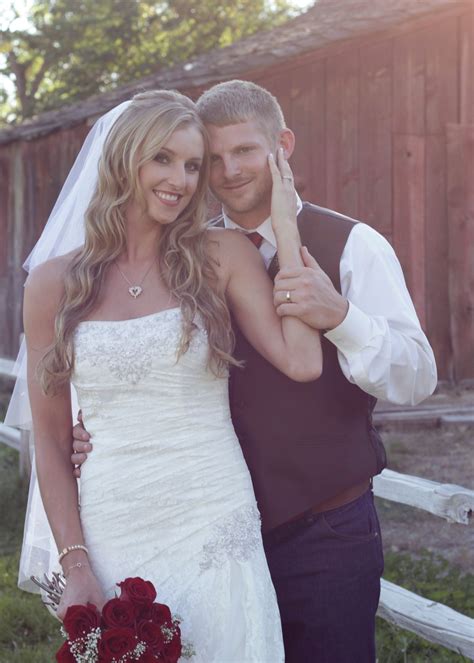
{"x":131,"y":627}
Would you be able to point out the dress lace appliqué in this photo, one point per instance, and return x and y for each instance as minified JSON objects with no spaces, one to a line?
{"x":237,"y":537}
{"x":127,"y":347}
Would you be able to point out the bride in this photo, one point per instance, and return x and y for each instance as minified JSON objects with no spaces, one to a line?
{"x":138,"y":319}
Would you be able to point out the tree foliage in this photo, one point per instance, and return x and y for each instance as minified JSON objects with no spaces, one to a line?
{"x":72,"y":49}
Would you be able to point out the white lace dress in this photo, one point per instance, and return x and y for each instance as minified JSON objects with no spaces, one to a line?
{"x":166,"y":494}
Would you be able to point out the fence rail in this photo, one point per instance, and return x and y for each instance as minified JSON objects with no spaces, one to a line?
{"x":432,"y":621}
{"x":7,"y":368}
{"x":451,"y":502}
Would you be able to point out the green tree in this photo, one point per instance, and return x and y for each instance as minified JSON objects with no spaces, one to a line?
{"x":72,"y":49}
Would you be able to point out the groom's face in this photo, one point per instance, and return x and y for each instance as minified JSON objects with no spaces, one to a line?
{"x":240,"y":176}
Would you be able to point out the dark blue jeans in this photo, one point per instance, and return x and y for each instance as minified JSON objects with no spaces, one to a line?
{"x":326,"y":569}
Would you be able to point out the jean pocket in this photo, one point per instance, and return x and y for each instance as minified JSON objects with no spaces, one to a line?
{"x":356,"y":521}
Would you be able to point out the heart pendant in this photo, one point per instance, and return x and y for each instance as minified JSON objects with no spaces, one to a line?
{"x":135,"y":291}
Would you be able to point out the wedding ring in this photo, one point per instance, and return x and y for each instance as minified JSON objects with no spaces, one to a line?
{"x":287,"y":177}
{"x":288,"y":296}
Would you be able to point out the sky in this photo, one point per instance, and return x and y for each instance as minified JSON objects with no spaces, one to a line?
{"x":6,"y":13}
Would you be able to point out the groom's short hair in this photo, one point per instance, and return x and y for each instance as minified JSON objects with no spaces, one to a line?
{"x":237,"y":101}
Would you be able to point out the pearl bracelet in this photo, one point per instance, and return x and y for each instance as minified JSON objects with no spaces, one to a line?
{"x":69,"y":549}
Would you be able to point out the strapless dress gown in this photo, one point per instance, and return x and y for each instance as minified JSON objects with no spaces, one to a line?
{"x":166,"y":494}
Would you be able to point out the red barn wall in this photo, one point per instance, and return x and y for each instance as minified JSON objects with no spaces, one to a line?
{"x":381,"y":126}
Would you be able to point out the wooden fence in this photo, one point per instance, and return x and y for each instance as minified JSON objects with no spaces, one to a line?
{"x":432,"y":621}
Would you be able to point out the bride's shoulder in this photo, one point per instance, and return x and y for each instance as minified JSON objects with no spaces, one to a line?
{"x":229,"y":249}
{"x":44,"y":286}
{"x":51,"y":273}
{"x":226,"y":242}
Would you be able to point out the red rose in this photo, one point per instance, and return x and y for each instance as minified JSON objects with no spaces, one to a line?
{"x":172,"y":651}
{"x":140,"y":592}
{"x":80,"y":619}
{"x":64,"y":655}
{"x":148,"y":657}
{"x":151,"y":635}
{"x":104,"y":657}
{"x":116,"y":642}
{"x":117,"y":613}
{"x":158,"y":613}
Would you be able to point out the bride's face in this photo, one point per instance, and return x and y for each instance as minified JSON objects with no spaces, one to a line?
{"x":169,"y":181}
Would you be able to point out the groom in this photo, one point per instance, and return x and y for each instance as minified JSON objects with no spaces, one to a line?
{"x":311,"y":447}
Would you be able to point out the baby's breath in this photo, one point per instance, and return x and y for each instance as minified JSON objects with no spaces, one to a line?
{"x":187,"y":650}
{"x":169,"y":632}
{"x":133,"y":655}
{"x":85,"y":649}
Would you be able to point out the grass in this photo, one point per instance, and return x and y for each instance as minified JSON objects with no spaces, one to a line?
{"x":6,"y":387}
{"x":28,"y":633}
{"x":431,"y":576}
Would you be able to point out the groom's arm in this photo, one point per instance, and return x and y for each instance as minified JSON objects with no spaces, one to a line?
{"x":381,"y":346}
{"x":81,"y":446}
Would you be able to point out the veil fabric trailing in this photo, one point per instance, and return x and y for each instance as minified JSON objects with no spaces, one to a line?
{"x":63,"y":232}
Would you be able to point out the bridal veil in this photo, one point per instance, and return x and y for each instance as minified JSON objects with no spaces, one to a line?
{"x":63,"y":232}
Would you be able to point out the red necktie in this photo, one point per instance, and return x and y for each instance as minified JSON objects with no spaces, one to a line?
{"x":255,"y":238}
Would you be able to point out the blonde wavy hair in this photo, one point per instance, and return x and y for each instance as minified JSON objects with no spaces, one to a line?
{"x":188,"y":270}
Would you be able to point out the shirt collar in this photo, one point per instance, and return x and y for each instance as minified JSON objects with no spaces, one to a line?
{"x":265,"y":228}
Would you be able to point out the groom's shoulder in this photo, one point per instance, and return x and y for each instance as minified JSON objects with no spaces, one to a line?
{"x":310,"y":210}
{"x":325,"y":229}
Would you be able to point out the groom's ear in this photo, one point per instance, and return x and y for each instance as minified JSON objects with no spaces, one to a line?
{"x":287,"y":142}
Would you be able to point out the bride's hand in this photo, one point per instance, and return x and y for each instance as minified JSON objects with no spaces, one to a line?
{"x":81,"y":588}
{"x":283,"y":193}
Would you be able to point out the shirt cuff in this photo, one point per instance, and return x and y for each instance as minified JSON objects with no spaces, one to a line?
{"x":354,"y":332}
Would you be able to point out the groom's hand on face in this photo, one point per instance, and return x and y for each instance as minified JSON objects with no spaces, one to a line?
{"x":81,"y":446}
{"x":312,"y":296}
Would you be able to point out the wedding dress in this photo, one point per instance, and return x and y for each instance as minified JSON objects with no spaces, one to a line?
{"x":166,"y":494}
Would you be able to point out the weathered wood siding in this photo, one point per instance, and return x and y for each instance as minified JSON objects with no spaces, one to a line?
{"x":461,"y":243}
{"x":371,"y":118}
{"x":32,"y":174}
{"x":373,"y":143}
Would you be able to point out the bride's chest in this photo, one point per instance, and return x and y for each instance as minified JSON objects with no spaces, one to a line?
{"x":129,"y":351}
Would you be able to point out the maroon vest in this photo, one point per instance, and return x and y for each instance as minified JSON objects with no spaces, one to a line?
{"x":307,"y":442}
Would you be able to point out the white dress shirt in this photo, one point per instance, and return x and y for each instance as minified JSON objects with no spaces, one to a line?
{"x":380,"y":345}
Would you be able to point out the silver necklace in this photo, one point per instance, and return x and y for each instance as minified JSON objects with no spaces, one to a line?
{"x":135,"y":290}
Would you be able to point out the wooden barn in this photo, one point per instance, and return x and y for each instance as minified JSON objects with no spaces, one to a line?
{"x":380,"y":94}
